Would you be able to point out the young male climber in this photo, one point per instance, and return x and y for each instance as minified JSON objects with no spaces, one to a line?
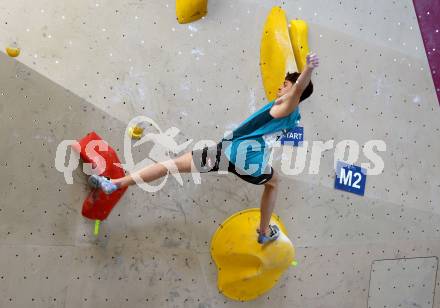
{"x":245,"y":152}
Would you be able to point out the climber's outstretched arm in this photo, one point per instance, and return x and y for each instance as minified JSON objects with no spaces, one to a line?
{"x":287,"y":103}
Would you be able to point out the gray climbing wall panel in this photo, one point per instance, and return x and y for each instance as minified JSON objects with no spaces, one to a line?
{"x":95,"y":65}
{"x":403,"y":282}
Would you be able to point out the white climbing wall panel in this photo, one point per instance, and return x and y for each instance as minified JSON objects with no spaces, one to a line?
{"x":93,"y":65}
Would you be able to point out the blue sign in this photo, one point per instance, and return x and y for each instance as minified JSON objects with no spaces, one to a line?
{"x":350,"y":178}
{"x":294,"y":135}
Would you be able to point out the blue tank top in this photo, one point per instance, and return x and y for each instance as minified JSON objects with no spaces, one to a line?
{"x":246,"y":147}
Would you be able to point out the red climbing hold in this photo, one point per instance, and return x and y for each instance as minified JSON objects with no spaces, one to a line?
{"x":93,"y":149}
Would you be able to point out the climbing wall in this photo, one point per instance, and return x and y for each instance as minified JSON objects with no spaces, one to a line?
{"x":95,"y":65}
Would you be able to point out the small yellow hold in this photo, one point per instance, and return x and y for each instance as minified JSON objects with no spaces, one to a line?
{"x":12,"y":52}
{"x":294,"y":263}
{"x":96,"y":229}
{"x":136,"y":132}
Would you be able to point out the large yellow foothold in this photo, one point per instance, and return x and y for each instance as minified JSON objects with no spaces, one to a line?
{"x":300,"y":44}
{"x":13,"y":52}
{"x":276,"y":54}
{"x":190,"y":10}
{"x":247,"y":269}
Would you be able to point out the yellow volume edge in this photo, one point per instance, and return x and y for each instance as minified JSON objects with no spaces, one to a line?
{"x":190,"y":10}
{"x":299,"y":37}
{"x":276,"y":53}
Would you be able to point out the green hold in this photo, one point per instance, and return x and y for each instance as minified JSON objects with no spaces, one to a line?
{"x":96,"y":231}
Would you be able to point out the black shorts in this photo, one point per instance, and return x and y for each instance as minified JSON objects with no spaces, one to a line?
{"x":212,"y":158}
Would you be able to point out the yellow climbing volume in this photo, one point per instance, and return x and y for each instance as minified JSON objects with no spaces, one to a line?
{"x":190,"y":10}
{"x":247,"y":269}
{"x":276,"y":53}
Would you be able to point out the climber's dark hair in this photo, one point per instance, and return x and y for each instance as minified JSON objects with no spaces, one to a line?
{"x":292,"y":77}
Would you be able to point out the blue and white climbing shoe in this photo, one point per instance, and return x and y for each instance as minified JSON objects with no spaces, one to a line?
{"x":102,"y":182}
{"x":274,"y":234}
